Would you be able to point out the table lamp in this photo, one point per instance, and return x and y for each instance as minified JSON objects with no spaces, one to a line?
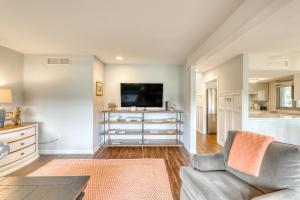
{"x":5,"y":98}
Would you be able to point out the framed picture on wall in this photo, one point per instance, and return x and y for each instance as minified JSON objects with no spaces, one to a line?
{"x":99,"y":88}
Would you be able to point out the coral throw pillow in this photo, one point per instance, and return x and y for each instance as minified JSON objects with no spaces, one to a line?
{"x":247,"y":152}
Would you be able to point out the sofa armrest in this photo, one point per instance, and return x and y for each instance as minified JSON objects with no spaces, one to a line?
{"x":208,"y":162}
{"x":280,"y":195}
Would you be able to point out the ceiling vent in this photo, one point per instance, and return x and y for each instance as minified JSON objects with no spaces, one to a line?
{"x":58,"y":61}
{"x":278,"y":64}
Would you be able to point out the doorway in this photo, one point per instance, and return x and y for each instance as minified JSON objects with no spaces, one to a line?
{"x":206,"y":114}
{"x":211,"y":107}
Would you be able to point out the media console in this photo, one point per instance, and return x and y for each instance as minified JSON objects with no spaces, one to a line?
{"x":142,"y":132}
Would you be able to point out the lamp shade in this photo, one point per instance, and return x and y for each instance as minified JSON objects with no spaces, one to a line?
{"x":5,"y":96}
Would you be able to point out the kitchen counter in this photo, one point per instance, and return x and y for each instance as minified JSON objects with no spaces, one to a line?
{"x":283,"y":127}
{"x":257,"y":114}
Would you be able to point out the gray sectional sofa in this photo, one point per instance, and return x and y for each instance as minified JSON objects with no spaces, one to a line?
{"x":210,"y":178}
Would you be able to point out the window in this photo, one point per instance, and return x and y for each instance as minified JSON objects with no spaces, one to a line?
{"x":285,"y":95}
{"x":298,"y":104}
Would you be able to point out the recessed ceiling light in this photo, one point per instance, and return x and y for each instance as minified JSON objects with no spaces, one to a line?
{"x":119,"y":58}
{"x":256,"y":80}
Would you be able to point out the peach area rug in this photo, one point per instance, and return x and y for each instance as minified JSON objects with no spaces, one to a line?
{"x":115,"y":179}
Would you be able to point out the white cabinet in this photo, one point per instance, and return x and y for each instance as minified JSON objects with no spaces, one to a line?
{"x":261,"y":95}
{"x":23,"y":144}
{"x":260,"y":90}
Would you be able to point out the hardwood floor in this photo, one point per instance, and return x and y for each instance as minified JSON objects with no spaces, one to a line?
{"x":174,"y":158}
{"x":207,"y":143}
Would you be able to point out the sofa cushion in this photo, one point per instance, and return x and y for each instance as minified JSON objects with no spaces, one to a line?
{"x":280,"y":167}
{"x":208,"y":162}
{"x":215,"y":185}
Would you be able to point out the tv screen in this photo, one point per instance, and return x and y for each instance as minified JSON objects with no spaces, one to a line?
{"x":141,"y":94}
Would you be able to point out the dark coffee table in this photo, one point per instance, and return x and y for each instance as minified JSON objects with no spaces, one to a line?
{"x":43,"y":188}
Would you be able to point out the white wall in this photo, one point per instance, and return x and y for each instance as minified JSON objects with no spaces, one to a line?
{"x":11,"y":74}
{"x":169,"y":75}
{"x":189,"y":95}
{"x":199,"y":103}
{"x":98,"y":105}
{"x":230,"y":75}
{"x":61,"y":98}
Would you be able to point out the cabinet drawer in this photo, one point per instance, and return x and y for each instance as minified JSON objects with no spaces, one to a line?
{"x":12,"y":157}
{"x":15,"y":146}
{"x":17,"y":135}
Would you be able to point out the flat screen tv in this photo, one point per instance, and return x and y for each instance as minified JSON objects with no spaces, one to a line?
{"x":142,"y":94}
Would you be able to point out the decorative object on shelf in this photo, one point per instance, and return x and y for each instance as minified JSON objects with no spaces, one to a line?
{"x":172,"y":106}
{"x":112,"y":131}
{"x":133,"y":119}
{"x":99,"y":88}
{"x":170,"y":131}
{"x":4,"y":149}
{"x":5,"y":98}
{"x":16,"y":117}
{"x":115,"y":118}
{"x":122,"y":131}
{"x":133,"y":108}
{"x":154,"y":131}
{"x":167,"y":105}
{"x":112,"y":106}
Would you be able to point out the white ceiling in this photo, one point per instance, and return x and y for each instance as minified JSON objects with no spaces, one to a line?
{"x":273,"y":36}
{"x":142,"y":31}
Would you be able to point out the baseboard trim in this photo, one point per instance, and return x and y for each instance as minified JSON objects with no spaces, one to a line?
{"x":220,"y":143}
{"x":67,"y":151}
{"x":188,"y":153}
{"x":193,"y":151}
